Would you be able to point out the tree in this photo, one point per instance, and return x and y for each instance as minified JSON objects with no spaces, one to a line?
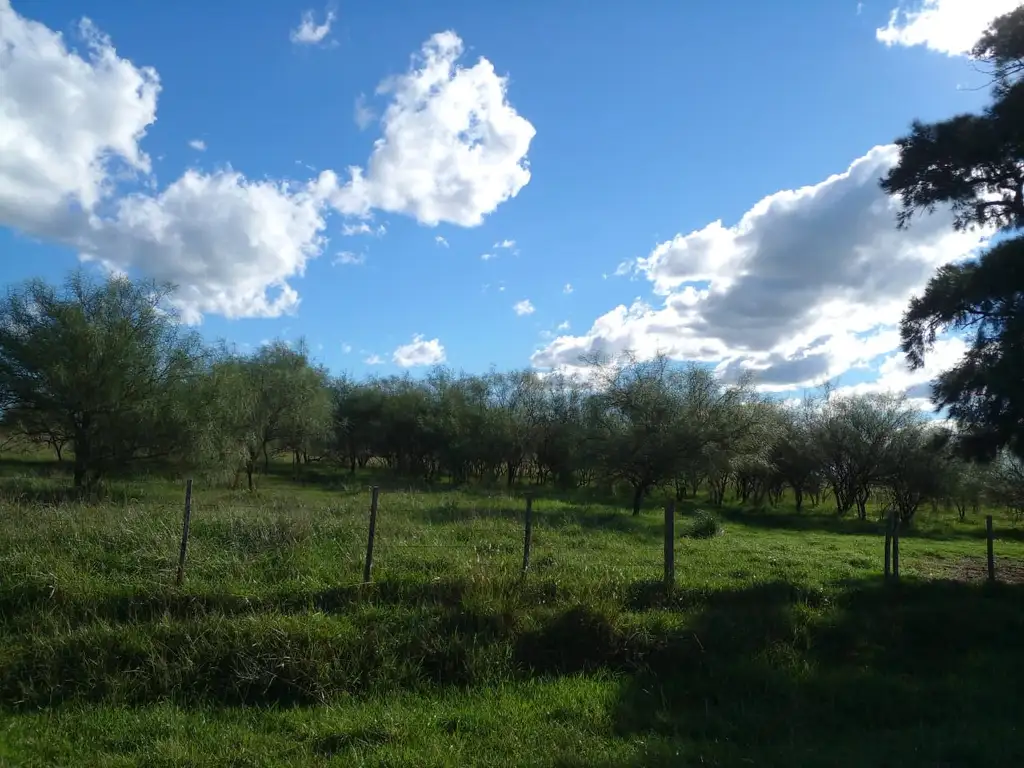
{"x":794,"y":456}
{"x":914,"y":469}
{"x":105,"y":364}
{"x":273,"y":399}
{"x":975,"y":165}
{"x":853,"y":439}
{"x":636,"y":422}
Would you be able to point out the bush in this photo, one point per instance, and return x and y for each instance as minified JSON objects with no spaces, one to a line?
{"x":703,"y":525}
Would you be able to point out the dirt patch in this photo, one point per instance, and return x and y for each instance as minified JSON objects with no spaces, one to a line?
{"x":972,"y":569}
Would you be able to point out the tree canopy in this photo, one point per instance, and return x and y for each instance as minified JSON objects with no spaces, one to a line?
{"x":974,"y":164}
{"x":103,"y":372}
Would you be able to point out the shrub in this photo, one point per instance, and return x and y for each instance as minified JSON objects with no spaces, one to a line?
{"x":703,"y":525}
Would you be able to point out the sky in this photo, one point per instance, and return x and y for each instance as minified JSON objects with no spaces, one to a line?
{"x":482,"y":183}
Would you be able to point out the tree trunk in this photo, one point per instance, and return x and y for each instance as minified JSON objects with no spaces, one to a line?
{"x":79,"y":472}
{"x":798,"y":493}
{"x":248,"y":474}
{"x":638,"y":497}
{"x":81,"y":460}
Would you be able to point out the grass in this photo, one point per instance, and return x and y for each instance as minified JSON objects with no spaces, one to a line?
{"x":779,"y":644}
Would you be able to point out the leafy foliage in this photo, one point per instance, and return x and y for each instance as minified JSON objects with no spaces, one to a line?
{"x":703,"y":525}
{"x":102,"y":365}
{"x":975,"y":165}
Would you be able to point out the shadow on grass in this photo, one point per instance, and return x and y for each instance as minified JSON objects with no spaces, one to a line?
{"x":930,"y":670}
{"x":771,"y":672}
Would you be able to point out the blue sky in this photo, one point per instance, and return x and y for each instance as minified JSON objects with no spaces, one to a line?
{"x":702,"y":175}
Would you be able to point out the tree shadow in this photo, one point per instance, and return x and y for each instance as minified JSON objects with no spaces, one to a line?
{"x":21,"y":602}
{"x":929,"y":669}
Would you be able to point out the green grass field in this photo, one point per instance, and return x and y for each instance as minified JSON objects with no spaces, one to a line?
{"x":779,"y":646}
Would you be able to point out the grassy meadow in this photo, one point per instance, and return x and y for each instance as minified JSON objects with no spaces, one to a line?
{"x":779,"y":645}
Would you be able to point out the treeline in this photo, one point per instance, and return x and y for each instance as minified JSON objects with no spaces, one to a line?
{"x":102,"y":370}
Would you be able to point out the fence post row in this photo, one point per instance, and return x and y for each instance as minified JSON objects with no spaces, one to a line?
{"x":670,"y":544}
{"x":368,"y":566}
{"x":528,"y":533}
{"x":184,"y":533}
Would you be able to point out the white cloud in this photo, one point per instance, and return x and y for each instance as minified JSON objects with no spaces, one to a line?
{"x":198,"y":144}
{"x":808,"y":284}
{"x":363,"y":228}
{"x":453,"y":149}
{"x":418,"y":352}
{"x":488,"y":256}
{"x":568,"y":288}
{"x":624,"y":268}
{"x":441,"y":241}
{"x":951,"y":27}
{"x":363,"y":114}
{"x":68,"y":121}
{"x":563,"y":326}
{"x":895,"y":376}
{"x":346,"y":348}
{"x":230,"y":244}
{"x":506,"y":244}
{"x":349,"y":258}
{"x":524,"y":307}
{"x":72,"y":123}
{"x":374,"y":360}
{"x":309,"y":32}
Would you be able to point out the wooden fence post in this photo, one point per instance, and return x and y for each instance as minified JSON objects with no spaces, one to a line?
{"x":368,"y":565}
{"x":184,"y":533}
{"x":896,"y":547}
{"x":670,"y":544}
{"x":888,"y":543}
{"x":528,"y":534}
{"x":991,"y":553}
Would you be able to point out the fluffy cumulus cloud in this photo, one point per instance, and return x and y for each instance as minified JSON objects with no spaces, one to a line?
{"x":419,"y":351}
{"x":231,"y":244}
{"x":453,"y":149}
{"x":67,"y":121}
{"x":809,"y":284}
{"x":951,"y":27}
{"x":309,"y":32}
{"x":72,"y":124}
{"x":71,"y":127}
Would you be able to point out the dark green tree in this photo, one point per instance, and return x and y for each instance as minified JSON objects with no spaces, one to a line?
{"x":105,"y":365}
{"x":974,"y":164}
